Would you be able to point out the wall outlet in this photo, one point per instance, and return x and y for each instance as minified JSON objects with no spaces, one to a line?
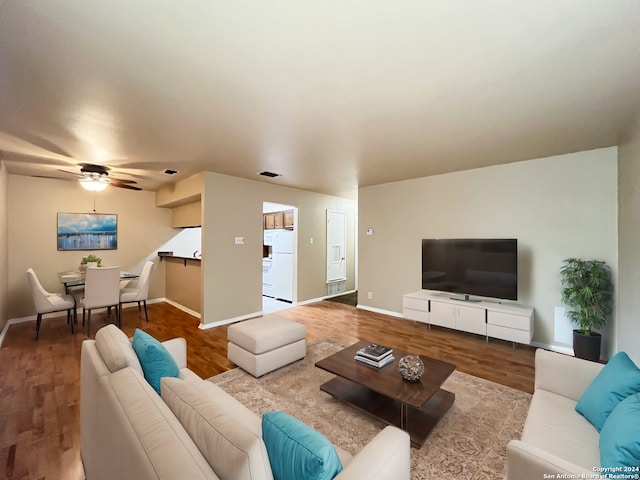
{"x":310,"y":240}
{"x":369,"y":295}
{"x":239,"y":241}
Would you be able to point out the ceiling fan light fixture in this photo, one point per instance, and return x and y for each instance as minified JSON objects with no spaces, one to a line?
{"x":94,"y":184}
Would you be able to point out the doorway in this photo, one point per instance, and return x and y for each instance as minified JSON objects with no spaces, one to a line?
{"x":279,"y":256}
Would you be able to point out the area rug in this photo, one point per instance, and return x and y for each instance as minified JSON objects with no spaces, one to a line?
{"x":469,"y":442}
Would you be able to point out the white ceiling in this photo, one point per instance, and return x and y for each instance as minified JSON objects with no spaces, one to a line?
{"x":333,"y":95}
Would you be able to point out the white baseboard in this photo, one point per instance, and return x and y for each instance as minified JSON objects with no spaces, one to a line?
{"x":193,"y":313}
{"x":339,"y":294}
{"x":219,"y":323}
{"x":149,"y":302}
{"x":379,"y":310}
{"x":13,"y":321}
{"x":29,"y":318}
{"x":311,"y":300}
{"x":554,"y":348}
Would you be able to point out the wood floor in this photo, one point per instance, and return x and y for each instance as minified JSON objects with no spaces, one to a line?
{"x":39,"y":381}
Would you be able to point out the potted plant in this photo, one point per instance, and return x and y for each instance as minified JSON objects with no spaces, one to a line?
{"x":587,"y":288}
{"x":91,"y":258}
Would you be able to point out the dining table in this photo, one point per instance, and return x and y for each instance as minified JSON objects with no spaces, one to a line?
{"x":75,"y":278}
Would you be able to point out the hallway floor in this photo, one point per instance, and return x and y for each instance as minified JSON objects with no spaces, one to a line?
{"x":270,"y":305}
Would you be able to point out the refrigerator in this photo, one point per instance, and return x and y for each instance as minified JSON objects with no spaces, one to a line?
{"x":282,"y":265}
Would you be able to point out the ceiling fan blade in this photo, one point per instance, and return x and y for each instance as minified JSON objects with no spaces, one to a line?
{"x":70,"y":173}
{"x":116,"y":183}
{"x":54,"y":178}
{"x":122,"y":180}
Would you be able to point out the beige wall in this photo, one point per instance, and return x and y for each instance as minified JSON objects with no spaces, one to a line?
{"x":185,"y":191}
{"x":556,"y":207}
{"x":629,"y":245}
{"x":232,"y":274}
{"x":4,"y":245}
{"x":183,"y":282}
{"x":187,"y":215}
{"x":33,"y":207}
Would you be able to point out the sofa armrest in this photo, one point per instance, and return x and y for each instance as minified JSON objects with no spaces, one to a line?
{"x":385,"y":457}
{"x":177,"y":347}
{"x":563,"y":374}
{"x":526,"y":462}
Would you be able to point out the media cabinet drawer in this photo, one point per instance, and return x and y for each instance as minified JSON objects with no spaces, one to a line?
{"x":415,"y":303}
{"x":509,"y":320}
{"x":509,"y":334}
{"x":417,"y":315}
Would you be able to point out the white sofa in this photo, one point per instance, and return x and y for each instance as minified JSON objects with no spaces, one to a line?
{"x":127,"y":431}
{"x":556,"y":439}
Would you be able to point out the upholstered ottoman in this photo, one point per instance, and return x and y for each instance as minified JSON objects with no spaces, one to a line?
{"x":265,"y":344}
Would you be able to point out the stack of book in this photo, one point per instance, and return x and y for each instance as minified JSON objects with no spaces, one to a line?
{"x":375,"y":355}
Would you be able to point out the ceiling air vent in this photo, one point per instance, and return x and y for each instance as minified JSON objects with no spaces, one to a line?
{"x":168,"y":171}
{"x":269,"y":174}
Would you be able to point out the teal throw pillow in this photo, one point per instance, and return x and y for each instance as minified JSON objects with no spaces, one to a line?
{"x":619,"y":438}
{"x":616,"y":381}
{"x":155,"y":359}
{"x":297,"y":451}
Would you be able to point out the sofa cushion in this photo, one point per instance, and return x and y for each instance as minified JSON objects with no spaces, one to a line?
{"x":619,"y":440}
{"x":155,"y":359}
{"x":297,"y":450}
{"x":554,"y":426}
{"x":116,"y":350}
{"x":232,"y":407}
{"x":136,"y":435}
{"x":233,"y":451}
{"x":616,"y":381}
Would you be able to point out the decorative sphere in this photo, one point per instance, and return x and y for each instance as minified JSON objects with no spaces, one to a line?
{"x":411,"y":368}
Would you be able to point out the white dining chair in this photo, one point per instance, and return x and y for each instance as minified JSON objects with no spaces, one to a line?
{"x":101,"y":290}
{"x":47,"y":302}
{"x":138,"y":290}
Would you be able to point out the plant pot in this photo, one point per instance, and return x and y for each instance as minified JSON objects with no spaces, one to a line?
{"x":587,"y":346}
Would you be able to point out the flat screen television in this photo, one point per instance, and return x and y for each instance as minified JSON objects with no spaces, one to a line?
{"x":465,"y":266}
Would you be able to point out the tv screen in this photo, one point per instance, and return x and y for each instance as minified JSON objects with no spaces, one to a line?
{"x":482,"y":267}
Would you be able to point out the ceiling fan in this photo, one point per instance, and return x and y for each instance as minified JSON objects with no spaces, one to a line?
{"x":96,"y":178}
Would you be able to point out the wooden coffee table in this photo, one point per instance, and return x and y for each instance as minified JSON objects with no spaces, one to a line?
{"x":415,"y":407}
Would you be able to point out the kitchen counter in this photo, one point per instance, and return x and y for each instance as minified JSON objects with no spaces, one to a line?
{"x":180,"y":257}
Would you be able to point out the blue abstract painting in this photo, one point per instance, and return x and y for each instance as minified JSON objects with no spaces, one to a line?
{"x":87,"y":231}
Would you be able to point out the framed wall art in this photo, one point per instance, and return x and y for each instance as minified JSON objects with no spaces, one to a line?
{"x":87,"y":231}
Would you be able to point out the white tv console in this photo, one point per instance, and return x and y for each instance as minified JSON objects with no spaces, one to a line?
{"x":506,"y":321}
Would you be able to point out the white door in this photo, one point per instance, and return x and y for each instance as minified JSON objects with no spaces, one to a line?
{"x":336,"y":245}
